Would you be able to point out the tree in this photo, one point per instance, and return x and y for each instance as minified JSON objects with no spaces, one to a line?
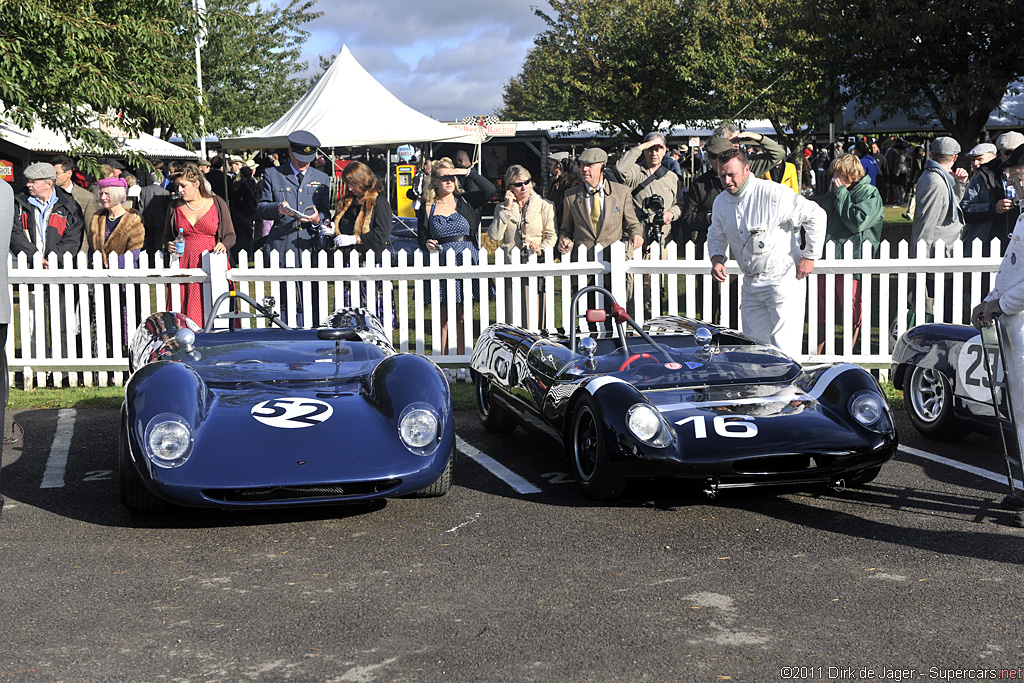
{"x":953,"y":61}
{"x":251,"y":61}
{"x":635,"y":65}
{"x":782,"y":70}
{"x":69,"y":63}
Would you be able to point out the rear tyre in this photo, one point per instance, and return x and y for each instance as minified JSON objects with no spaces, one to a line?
{"x":492,"y":417}
{"x":135,"y":497}
{"x":929,"y":401}
{"x":443,"y":483}
{"x":589,"y":455}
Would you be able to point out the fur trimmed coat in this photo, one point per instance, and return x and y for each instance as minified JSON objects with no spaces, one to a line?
{"x":129,"y":235}
{"x":370,"y":218}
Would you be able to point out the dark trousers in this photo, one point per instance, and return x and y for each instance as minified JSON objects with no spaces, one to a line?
{"x":4,"y":392}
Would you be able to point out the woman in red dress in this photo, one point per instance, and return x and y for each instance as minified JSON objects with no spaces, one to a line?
{"x":204,"y":220}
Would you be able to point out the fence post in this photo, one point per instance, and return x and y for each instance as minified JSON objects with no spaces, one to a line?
{"x":616,"y":254}
{"x":216,"y":268}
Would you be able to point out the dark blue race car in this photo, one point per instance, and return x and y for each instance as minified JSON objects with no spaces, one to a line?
{"x":682,"y":399}
{"x":275,"y":417}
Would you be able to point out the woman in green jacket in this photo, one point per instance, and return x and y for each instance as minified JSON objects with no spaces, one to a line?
{"x":855,"y":214}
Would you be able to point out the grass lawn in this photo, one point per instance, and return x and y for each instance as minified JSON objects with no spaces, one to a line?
{"x":463,"y":397}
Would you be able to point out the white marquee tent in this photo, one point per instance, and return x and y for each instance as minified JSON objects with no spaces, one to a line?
{"x":41,"y":139}
{"x":348,"y":108}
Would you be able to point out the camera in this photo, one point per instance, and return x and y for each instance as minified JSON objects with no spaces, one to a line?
{"x":654,"y":218}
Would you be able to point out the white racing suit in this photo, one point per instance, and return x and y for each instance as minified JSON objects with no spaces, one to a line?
{"x":764,"y":226}
{"x":1009,"y":290}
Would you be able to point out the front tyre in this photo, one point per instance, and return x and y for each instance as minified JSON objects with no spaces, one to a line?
{"x":492,"y":417}
{"x":589,"y":454}
{"x":135,"y":497}
{"x":929,"y":401}
{"x":443,"y":483}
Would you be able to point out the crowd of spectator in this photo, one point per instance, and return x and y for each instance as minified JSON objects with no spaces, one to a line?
{"x":650,"y":193}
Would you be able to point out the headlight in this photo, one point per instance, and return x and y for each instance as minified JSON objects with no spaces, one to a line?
{"x":646,"y":424}
{"x":419,"y":427}
{"x":168,"y":440}
{"x":866,"y":407}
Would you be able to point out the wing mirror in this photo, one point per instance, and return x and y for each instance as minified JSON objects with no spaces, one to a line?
{"x":703,"y":337}
{"x":586,"y":346}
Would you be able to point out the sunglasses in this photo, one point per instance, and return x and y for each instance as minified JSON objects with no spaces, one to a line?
{"x":520,"y":184}
{"x":446,"y":179}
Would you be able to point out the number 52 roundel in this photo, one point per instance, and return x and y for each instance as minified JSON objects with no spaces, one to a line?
{"x":292,"y":413}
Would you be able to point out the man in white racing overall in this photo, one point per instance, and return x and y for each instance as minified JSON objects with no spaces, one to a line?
{"x":1006,"y":300}
{"x":776,"y":235}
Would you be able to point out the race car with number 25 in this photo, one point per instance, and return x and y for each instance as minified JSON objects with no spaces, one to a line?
{"x":277,"y":417}
{"x":681,"y":399}
{"x":942,"y":371}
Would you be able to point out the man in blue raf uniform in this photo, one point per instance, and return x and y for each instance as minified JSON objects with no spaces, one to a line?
{"x":301,"y":188}
{"x":298,"y":187}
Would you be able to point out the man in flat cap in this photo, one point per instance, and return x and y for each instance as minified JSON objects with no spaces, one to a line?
{"x":988,"y":210}
{"x":598,"y":212}
{"x":44,"y":219}
{"x":938,"y":217}
{"x":1006,"y":301}
{"x":294,"y":187}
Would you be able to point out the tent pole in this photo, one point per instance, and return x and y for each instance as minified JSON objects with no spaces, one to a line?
{"x":387,"y":184}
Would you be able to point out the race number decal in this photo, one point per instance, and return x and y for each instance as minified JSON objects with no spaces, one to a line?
{"x":970,"y":369}
{"x":292,"y":413}
{"x":729,"y":426}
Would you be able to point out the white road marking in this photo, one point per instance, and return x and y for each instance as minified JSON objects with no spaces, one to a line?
{"x":469,"y":520}
{"x":57,"y":462}
{"x":984,"y":474}
{"x":496,"y":468}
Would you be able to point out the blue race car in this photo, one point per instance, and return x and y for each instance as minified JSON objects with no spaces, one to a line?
{"x":681,"y":399}
{"x":277,"y":417}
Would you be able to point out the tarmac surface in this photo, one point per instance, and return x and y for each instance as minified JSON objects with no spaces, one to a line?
{"x":916,"y":576}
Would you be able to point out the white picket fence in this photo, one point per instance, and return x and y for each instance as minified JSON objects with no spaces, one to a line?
{"x":53,"y":330}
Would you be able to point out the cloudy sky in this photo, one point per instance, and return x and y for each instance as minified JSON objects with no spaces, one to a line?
{"x":445,"y":59}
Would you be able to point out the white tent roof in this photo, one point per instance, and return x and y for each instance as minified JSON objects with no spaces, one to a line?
{"x":348,"y":108}
{"x":41,"y":139}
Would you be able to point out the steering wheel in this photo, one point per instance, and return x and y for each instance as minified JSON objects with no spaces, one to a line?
{"x":637,"y":356}
{"x":273,"y":317}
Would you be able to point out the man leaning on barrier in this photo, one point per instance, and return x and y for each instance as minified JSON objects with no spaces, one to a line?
{"x":1006,"y":301}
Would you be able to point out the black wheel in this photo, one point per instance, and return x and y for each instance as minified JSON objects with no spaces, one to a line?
{"x":864,"y":476}
{"x":590,"y":456}
{"x":135,"y":497}
{"x":929,"y":401}
{"x":443,"y":483}
{"x":492,"y":417}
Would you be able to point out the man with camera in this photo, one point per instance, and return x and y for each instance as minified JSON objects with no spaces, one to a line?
{"x":656,"y":197}
{"x":654,"y":187}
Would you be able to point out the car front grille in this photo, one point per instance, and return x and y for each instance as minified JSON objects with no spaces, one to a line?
{"x":784,"y":464}
{"x":283,"y":494}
